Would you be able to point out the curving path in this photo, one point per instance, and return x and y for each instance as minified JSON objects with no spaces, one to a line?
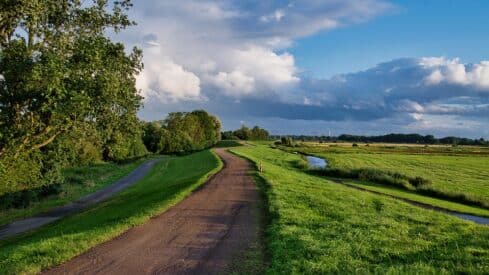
{"x":200,"y":235}
{"x":57,"y":213}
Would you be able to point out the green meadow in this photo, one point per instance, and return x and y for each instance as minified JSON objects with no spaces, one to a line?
{"x":452,"y":170}
{"x":169,"y":181}
{"x":317,"y":226}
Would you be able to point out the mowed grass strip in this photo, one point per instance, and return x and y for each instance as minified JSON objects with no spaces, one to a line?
{"x":319,"y":227}
{"x":169,"y":181}
{"x":79,"y":181}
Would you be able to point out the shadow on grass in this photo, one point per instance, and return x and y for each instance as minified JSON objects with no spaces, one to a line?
{"x":228,"y":143}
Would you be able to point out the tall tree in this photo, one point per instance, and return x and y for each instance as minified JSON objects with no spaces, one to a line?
{"x":58,"y":69}
{"x":59,"y":73}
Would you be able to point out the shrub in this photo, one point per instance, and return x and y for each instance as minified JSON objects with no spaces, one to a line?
{"x":301,"y":164}
{"x":287,"y":141}
{"x":335,"y":172}
{"x":354,"y":145}
{"x":23,"y":198}
{"x":383,"y":177}
{"x":378,"y":204}
{"x":419,"y":181}
{"x":455,"y":197}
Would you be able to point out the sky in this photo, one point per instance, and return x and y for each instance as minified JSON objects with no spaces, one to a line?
{"x":318,"y":67}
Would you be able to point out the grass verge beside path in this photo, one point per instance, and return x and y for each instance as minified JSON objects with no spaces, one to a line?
{"x":79,"y":182}
{"x":318,"y":226}
{"x":170,"y":180}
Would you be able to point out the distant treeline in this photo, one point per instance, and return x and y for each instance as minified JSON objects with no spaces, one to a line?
{"x":245,"y":133}
{"x":182,"y":132}
{"x":391,"y":138}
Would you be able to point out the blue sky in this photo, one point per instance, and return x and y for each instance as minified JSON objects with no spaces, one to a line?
{"x":318,"y":66}
{"x":412,"y":29}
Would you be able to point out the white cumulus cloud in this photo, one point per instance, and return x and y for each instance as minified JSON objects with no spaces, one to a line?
{"x":452,"y":71}
{"x":196,"y":49}
{"x":166,"y":80}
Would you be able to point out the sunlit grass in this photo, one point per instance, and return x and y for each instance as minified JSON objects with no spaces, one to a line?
{"x":465,"y":172}
{"x":318,"y":226}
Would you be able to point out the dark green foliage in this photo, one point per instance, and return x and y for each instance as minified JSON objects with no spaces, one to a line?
{"x":384,"y":177}
{"x":153,"y":135}
{"x":228,"y":135}
{"x":245,"y":133}
{"x":452,"y":196}
{"x":378,"y":204}
{"x":419,"y":181}
{"x":354,"y":145}
{"x":182,"y":132}
{"x":242,"y":133}
{"x":67,"y":92}
{"x":24,"y":198}
{"x":228,"y":143}
{"x":287,"y":141}
{"x":258,"y":133}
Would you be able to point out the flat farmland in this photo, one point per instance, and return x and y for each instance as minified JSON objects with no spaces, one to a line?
{"x":463,"y":169}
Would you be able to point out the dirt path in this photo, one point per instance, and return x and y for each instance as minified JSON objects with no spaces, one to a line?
{"x":200,"y":235}
{"x":57,"y":213}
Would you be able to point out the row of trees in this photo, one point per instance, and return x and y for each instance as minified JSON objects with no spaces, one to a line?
{"x":182,"y":132}
{"x":67,"y":92}
{"x":413,"y":138}
{"x":245,"y":133}
{"x":392,"y":138}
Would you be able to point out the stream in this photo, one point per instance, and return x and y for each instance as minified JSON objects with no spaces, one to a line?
{"x":315,"y":162}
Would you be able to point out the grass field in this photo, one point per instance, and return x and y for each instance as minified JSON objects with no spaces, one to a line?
{"x":317,"y":227}
{"x":452,"y":170}
{"x":168,"y":182}
{"x":79,"y":181}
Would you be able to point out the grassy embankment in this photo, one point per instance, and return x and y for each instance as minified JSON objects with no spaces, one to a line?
{"x":78,"y":182}
{"x":168,"y":182}
{"x":458,"y":174}
{"x":318,"y":226}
